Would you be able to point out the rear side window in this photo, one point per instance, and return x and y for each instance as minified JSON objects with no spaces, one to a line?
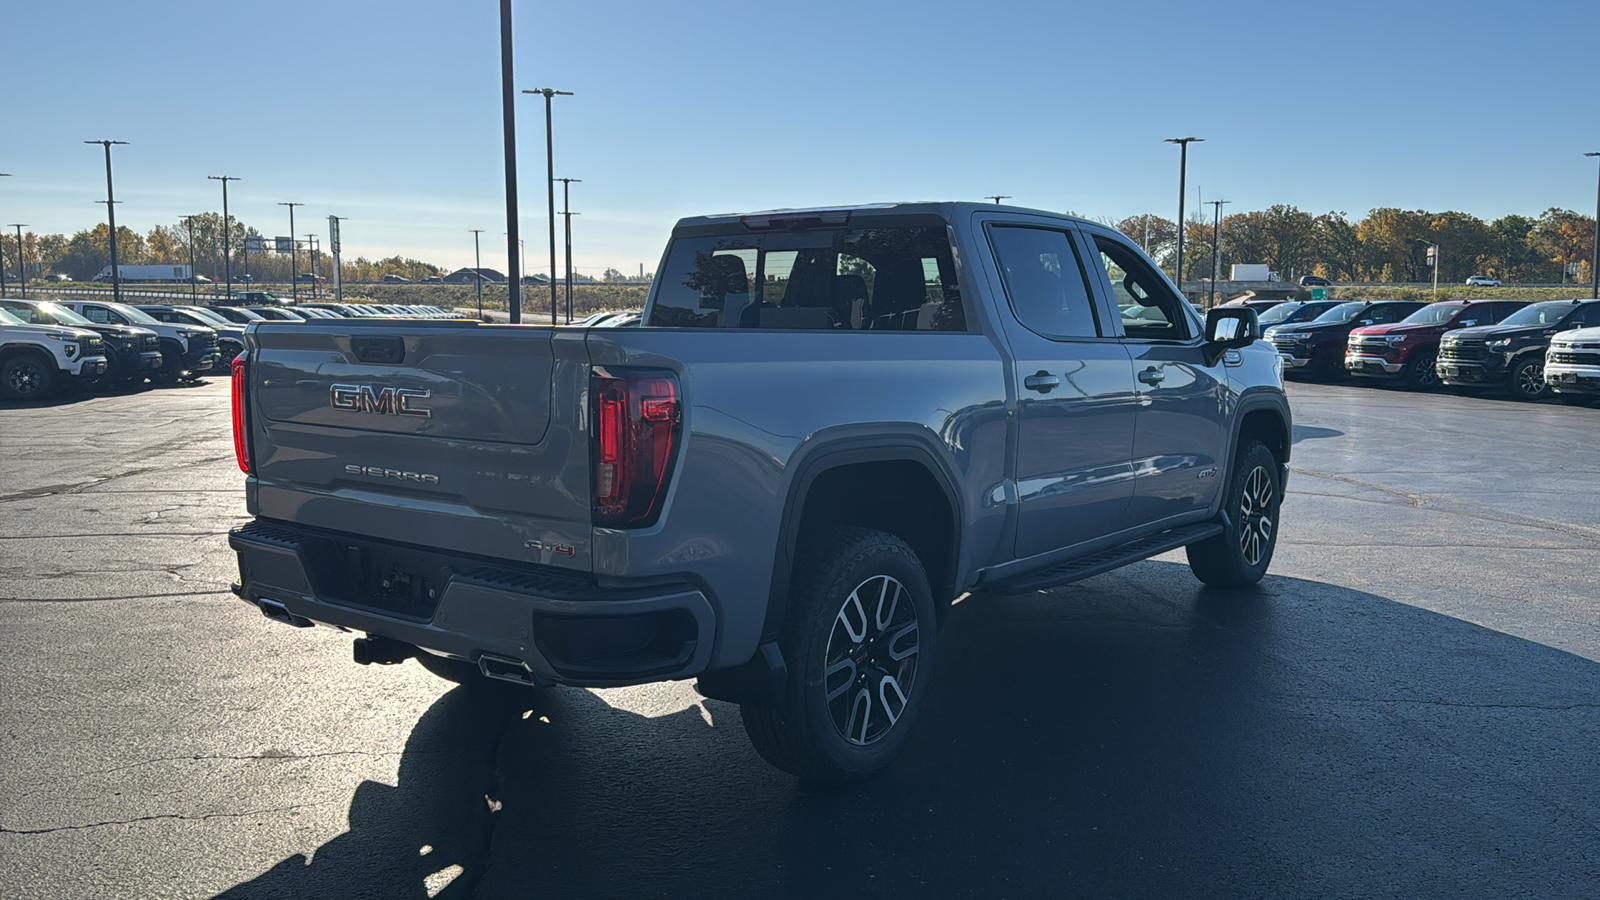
{"x":1045,"y":282}
{"x":873,"y":279}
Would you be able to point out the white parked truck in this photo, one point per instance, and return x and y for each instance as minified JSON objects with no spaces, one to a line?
{"x":1252,"y":272}
{"x":146,"y":273}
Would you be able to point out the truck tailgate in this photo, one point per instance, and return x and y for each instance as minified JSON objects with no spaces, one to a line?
{"x":448,"y":435}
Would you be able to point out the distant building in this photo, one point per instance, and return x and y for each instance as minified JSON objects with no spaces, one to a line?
{"x":469,"y":275}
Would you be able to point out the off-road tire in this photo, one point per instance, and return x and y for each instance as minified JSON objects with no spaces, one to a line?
{"x":842,"y":576}
{"x":1526,"y":381}
{"x":27,"y":376}
{"x":1252,"y":502}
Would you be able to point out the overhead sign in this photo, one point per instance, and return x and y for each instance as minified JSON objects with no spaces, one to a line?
{"x":1319,"y":293}
{"x":284,"y":244}
{"x":252,"y":243}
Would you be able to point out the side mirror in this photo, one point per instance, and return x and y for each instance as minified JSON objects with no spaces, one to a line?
{"x":1232,"y":326}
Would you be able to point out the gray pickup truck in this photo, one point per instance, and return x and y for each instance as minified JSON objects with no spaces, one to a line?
{"x":829,"y":425}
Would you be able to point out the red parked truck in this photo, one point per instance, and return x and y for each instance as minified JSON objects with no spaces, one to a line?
{"x":1406,"y":350}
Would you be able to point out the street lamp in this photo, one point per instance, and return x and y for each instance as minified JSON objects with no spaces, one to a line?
{"x":550,"y":178}
{"x":508,"y":115}
{"x":477,"y":269}
{"x":111,"y":216}
{"x":294,"y":259}
{"x":194,"y":288}
{"x":1594,"y":265}
{"x":227,"y":235}
{"x":1183,"y":174}
{"x":2,"y":255}
{"x":1216,"y":260}
{"x":22,"y":273}
{"x":567,"y":214}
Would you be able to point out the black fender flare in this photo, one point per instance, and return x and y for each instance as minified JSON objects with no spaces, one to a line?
{"x":1253,"y":399}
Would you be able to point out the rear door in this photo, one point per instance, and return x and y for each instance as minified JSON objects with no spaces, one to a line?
{"x":441,"y":434}
{"x":1075,"y":398}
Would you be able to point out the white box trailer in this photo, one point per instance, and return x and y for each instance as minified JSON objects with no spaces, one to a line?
{"x":146,"y":273}
{"x":1251,"y":272}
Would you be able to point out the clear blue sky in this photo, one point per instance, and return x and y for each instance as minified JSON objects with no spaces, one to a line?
{"x":388,"y":112}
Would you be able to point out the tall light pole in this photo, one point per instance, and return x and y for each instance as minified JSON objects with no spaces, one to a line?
{"x":567,"y":214}
{"x":227,"y":236}
{"x":2,"y":255}
{"x":550,"y":178}
{"x":1594,"y":264}
{"x":1183,"y":175}
{"x":335,"y":241}
{"x":111,"y":216}
{"x":997,"y":198}
{"x":508,"y":114}
{"x":194,"y":288}
{"x":294,"y":259}
{"x":477,"y":270}
{"x":22,"y":272}
{"x":311,"y":245}
{"x":1216,"y":260}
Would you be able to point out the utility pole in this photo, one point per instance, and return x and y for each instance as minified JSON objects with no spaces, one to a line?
{"x":22,"y":272}
{"x":567,"y":214}
{"x":997,"y":198}
{"x":508,"y":113}
{"x":550,"y":178}
{"x":1433,"y":250}
{"x":477,"y":270}
{"x":1183,"y":174}
{"x":2,"y":255}
{"x":227,"y":232}
{"x":194,"y":287}
{"x":311,"y":244}
{"x":1594,"y":265}
{"x":1216,"y":261}
{"x":111,"y":216}
{"x":294,"y":260}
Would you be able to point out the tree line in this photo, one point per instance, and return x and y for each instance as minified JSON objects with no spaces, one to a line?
{"x":1388,"y":245}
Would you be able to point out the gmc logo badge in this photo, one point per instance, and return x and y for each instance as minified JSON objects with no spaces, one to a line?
{"x":390,"y":401}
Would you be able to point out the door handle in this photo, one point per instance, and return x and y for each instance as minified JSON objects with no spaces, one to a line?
{"x":1043,"y":382}
{"x":1152,"y":376}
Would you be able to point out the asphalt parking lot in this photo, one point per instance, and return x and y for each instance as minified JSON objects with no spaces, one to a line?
{"x":1408,"y":707}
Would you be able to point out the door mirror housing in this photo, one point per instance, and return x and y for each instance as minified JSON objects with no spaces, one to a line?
{"x":1228,"y":327}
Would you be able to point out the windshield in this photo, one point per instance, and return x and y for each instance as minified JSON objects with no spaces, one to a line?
{"x":1342,"y":313}
{"x":1278,"y":313}
{"x":1434,"y":314}
{"x":247,"y":315}
{"x":8,"y":319}
{"x":1541,"y":313}
{"x":208,"y":317}
{"x":136,"y":316}
{"x":62,"y":315}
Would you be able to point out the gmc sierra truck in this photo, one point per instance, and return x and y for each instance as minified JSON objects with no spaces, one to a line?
{"x":828,"y":426}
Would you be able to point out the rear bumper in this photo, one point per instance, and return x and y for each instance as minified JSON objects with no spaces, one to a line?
{"x":561,"y":629}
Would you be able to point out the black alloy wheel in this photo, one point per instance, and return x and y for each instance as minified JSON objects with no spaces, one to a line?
{"x":1422,"y":374}
{"x":1240,"y":555}
{"x":859,"y":640}
{"x":1527,"y":379}
{"x":27,"y":377}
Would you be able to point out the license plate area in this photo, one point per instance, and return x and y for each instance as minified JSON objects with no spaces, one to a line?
{"x":397,"y":581}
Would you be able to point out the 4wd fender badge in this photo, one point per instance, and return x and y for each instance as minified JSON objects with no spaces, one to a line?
{"x":565,"y":549}
{"x":391,"y":401}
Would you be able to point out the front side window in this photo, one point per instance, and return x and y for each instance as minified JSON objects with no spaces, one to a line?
{"x":1045,"y":281}
{"x":1434,"y":314}
{"x":1150,"y":309}
{"x":876,"y":279}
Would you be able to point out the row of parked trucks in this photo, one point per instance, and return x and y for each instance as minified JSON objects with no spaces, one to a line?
{"x":1531,"y":350}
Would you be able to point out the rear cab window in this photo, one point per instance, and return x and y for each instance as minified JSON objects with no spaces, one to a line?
{"x":852,"y":278}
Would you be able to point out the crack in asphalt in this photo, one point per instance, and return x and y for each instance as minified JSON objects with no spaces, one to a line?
{"x":104,"y":599}
{"x":181,"y":816}
{"x":51,"y":490}
{"x":1418,"y":501}
{"x":246,"y":757}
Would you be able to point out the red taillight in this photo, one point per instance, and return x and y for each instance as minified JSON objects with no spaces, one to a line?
{"x":241,"y":424}
{"x":637,"y":419}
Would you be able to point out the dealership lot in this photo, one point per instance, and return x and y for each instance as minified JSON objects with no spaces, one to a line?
{"x":1409,"y":705}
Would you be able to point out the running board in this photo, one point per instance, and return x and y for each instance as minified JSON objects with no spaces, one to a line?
{"x":1106,"y":560}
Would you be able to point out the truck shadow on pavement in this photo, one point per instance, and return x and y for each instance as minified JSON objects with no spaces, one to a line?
{"x":1134,"y":735}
